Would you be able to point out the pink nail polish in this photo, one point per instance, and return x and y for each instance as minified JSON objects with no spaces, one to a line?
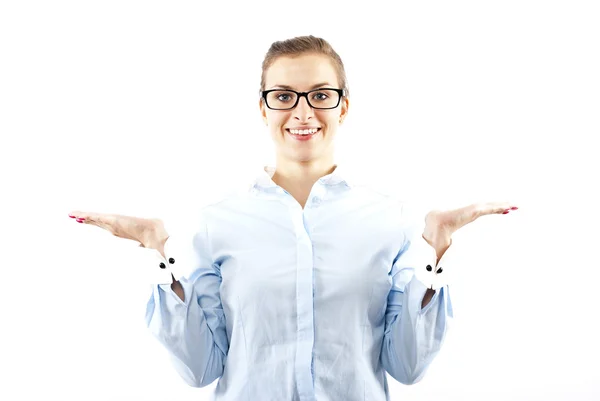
{"x":506,"y":211}
{"x":514,"y":208}
{"x":72,"y":216}
{"x":80,"y":220}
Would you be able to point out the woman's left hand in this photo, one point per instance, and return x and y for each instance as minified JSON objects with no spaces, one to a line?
{"x":440,"y":225}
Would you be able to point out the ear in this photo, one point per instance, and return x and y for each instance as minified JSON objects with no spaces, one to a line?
{"x":344,"y":111}
{"x":263,"y":110}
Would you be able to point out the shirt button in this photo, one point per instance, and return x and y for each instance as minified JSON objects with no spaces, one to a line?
{"x":316,"y":201}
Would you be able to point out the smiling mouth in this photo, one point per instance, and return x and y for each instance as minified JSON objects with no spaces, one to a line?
{"x":303,"y":132}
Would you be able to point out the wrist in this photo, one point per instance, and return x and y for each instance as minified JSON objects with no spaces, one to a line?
{"x":155,"y":235}
{"x":437,"y":237}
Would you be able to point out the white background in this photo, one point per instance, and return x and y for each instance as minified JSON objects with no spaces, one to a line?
{"x":150,"y":109}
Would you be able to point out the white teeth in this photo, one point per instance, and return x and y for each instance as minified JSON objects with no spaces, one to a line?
{"x":304,"y":131}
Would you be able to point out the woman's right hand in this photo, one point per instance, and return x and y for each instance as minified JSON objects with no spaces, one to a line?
{"x":150,"y":233}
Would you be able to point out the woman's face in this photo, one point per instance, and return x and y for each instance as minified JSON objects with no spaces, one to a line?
{"x":303,"y":73}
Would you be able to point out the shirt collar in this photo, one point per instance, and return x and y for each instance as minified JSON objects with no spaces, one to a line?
{"x":264,"y":178}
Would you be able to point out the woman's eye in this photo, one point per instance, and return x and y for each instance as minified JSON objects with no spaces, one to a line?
{"x":283,"y":97}
{"x":320,"y":96}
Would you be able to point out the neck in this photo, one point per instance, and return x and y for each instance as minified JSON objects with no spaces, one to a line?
{"x":302,"y":174}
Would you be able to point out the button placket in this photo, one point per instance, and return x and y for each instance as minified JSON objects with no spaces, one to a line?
{"x":304,"y":301}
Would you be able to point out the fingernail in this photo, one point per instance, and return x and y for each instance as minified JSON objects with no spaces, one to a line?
{"x":80,"y":220}
{"x":514,"y":208}
{"x":506,"y":211}
{"x":72,"y":216}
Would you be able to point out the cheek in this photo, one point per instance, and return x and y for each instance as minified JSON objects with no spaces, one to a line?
{"x":330,"y":121}
{"x":276,"y":121}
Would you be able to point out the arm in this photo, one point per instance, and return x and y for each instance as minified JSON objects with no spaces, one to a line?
{"x":418,"y":309}
{"x":186,"y":315}
{"x":178,"y":289}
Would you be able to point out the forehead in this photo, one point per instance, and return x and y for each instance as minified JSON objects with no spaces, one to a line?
{"x":301,"y":72}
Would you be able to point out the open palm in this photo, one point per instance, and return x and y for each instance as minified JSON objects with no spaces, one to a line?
{"x":150,"y":233}
{"x":446,"y":222}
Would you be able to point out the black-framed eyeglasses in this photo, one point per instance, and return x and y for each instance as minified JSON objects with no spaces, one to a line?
{"x":287,"y":99}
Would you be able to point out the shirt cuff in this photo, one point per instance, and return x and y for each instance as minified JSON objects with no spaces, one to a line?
{"x":432,"y":275}
{"x":159,"y":268}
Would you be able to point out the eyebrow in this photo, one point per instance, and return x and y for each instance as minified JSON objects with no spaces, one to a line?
{"x":321,"y":85}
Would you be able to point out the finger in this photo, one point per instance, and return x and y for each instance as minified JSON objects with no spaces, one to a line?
{"x":506,"y":207}
{"x":78,"y":216}
{"x":502,"y":207}
{"x":495,"y":208}
{"x":102,"y":220}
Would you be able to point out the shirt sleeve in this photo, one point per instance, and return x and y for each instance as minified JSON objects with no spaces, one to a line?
{"x":413,"y":335}
{"x":192,"y":330}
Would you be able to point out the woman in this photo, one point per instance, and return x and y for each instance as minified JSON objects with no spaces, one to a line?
{"x":307,"y":287}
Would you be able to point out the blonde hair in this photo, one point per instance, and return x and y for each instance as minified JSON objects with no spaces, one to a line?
{"x":303,"y":45}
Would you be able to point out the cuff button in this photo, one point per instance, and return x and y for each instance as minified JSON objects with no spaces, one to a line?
{"x":162,"y":265}
{"x":171,"y":260}
{"x":428,"y":268}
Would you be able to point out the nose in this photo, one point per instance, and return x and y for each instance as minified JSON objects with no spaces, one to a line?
{"x":303,"y":111}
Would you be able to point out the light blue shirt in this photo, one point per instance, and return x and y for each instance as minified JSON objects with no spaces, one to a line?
{"x":290,"y":304}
